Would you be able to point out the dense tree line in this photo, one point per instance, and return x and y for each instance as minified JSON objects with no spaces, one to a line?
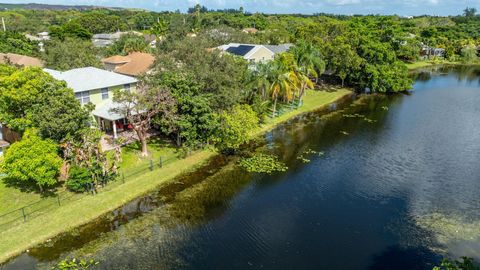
{"x":196,"y":95}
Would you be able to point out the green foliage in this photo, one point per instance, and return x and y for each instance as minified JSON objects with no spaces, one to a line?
{"x":30,"y":97}
{"x":76,"y":265}
{"x":71,"y":29}
{"x":129,"y":43}
{"x":464,"y":264}
{"x":262,"y":163}
{"x":469,"y":55}
{"x":33,"y":161}
{"x":78,"y":178}
{"x":223,"y":77}
{"x":100,"y":22}
{"x":196,"y":121}
{"x":236,"y":127}
{"x":13,"y":42}
{"x":70,"y":53}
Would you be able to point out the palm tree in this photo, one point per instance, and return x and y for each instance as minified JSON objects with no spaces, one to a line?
{"x":309,"y":63}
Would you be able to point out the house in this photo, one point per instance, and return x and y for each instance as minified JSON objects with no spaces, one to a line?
{"x":97,"y":86}
{"x":428,"y":51}
{"x":20,"y":60}
{"x":254,"y":53}
{"x":135,"y":64}
{"x":106,"y":39}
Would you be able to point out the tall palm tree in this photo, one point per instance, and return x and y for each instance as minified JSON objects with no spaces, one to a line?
{"x":309,"y":63}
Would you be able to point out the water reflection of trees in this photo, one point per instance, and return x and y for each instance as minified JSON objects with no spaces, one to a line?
{"x":463,"y":73}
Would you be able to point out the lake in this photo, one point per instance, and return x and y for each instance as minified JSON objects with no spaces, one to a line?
{"x":374,"y":182}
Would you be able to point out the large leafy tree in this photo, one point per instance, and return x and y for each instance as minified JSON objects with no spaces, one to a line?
{"x":195,"y":122}
{"x":71,"y":29}
{"x":222,"y":76}
{"x":30,"y":97}
{"x":33,"y":161}
{"x":70,"y":53}
{"x":141,"y":106}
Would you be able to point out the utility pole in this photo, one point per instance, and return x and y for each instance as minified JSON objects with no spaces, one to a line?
{"x":3,"y":23}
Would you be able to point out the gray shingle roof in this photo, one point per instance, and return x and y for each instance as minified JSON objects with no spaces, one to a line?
{"x":90,"y":78}
{"x":279,"y":48}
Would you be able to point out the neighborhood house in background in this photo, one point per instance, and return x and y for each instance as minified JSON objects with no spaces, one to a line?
{"x":97,"y":86}
{"x":254,"y":53}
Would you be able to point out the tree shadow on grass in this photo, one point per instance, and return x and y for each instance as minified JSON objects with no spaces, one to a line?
{"x":26,"y":187}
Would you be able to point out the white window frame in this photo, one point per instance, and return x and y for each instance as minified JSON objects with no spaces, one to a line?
{"x":105,"y":94}
{"x":83,"y":97}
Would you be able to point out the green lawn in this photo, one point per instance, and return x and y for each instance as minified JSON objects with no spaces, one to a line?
{"x":313,"y":100}
{"x":84,"y":208}
{"x":426,"y":63}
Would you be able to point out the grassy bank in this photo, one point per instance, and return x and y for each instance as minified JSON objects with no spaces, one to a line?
{"x":427,"y":63}
{"x":68,"y":216}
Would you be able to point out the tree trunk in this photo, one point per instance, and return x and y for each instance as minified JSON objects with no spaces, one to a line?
{"x":142,"y":137}
{"x":274,"y":107}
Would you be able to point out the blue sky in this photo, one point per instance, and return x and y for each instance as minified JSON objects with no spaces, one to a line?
{"x":401,"y":7}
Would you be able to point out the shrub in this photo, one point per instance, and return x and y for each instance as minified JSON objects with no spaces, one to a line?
{"x":78,"y":179}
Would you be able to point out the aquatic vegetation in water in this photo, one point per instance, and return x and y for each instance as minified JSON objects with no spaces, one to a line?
{"x":262,"y":163}
{"x":309,"y":152}
{"x":385,"y":108}
{"x":75,"y":265}
{"x":449,"y":229}
{"x":356,"y":115}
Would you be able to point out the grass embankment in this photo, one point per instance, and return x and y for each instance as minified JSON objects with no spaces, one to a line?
{"x":75,"y":213}
{"x":428,"y":63}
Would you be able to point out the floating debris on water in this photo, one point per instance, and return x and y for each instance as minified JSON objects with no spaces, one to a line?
{"x":368,"y":120}
{"x":344,"y":132}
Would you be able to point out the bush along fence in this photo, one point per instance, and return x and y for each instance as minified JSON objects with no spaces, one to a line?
{"x":38,"y":208}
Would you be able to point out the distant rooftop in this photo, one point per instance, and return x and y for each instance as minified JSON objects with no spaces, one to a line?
{"x":20,"y":60}
{"x":90,"y":78}
{"x":244,"y":49}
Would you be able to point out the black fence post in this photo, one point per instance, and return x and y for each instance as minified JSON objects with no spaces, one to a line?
{"x":161,"y":162}
{"x":58,"y":199}
{"x":24,"y":215}
{"x":123,"y":177}
{"x":151,"y":165}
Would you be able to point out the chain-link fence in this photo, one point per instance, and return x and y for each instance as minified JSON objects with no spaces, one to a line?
{"x":35,"y":209}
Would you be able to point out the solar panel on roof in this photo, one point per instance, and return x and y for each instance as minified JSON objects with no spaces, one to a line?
{"x":241,"y":50}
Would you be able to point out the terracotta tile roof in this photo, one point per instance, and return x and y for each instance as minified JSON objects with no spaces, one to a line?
{"x":139,"y":64}
{"x":20,"y":60}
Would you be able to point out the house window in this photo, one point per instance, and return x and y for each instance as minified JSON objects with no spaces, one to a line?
{"x":126,"y":87}
{"x":83,"y":97}
{"x":104,"y":93}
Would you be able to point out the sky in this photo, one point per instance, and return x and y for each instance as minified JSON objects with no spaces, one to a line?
{"x":348,"y":7}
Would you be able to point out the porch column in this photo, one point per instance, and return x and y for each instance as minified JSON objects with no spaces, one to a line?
{"x":114,"y":124}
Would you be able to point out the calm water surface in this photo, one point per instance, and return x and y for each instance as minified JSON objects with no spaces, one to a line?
{"x":395,"y":172}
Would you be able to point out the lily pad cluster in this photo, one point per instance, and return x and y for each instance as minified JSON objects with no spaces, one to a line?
{"x":263,"y":163}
